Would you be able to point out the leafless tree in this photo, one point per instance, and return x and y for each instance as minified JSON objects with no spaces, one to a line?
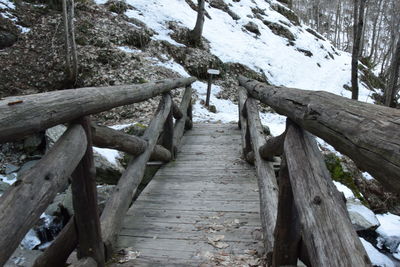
{"x":196,"y":33}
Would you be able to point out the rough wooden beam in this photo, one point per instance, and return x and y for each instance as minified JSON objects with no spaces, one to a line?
{"x":85,"y":262}
{"x":246,"y":144}
{"x":287,"y":231}
{"x":327,"y":230}
{"x":369,"y":134}
{"x":179,"y":127}
{"x":34,"y":113}
{"x":84,"y":198}
{"x":176,"y":111}
{"x":272,"y":147}
{"x":120,"y":201}
{"x":268,"y":188}
{"x":22,"y":205}
{"x":106,"y":137}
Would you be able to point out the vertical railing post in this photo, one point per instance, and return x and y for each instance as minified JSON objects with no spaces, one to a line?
{"x":167,"y":139}
{"x":84,"y":196}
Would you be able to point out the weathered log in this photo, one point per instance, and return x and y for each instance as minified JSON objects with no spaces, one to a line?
{"x":106,"y":137}
{"x":268,"y":188}
{"x":176,"y":111}
{"x":33,"y":113}
{"x":84,"y":198}
{"x":180,"y":125}
{"x":327,"y":230}
{"x":369,"y":134}
{"x":287,"y":231}
{"x":125,"y":190}
{"x":167,"y":138}
{"x":22,"y":205}
{"x":246,"y":144}
{"x":85,"y":262}
{"x":272,"y":147}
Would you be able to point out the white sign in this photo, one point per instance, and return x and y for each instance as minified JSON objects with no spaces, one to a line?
{"x":213,"y":72}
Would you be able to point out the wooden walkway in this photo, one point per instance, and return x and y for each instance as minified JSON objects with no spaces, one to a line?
{"x":202,"y":209}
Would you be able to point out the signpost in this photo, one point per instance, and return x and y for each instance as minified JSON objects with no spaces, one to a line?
{"x":211,"y":72}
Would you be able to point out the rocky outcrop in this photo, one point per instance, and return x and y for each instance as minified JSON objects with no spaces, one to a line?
{"x":252,"y":27}
{"x":361,"y":217}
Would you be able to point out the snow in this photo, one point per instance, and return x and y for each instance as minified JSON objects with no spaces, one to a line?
{"x":172,"y":65}
{"x":6,"y":4}
{"x":389,"y":233}
{"x":367,"y":176}
{"x":128,"y":50}
{"x":122,"y":126}
{"x":30,"y":240}
{"x":344,"y":189}
{"x":10,"y":179}
{"x":111,"y":155}
{"x":377,"y":258}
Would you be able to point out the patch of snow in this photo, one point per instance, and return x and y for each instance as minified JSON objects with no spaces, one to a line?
{"x":275,"y":122}
{"x":367,"y":176}
{"x":377,"y":258}
{"x":226,"y":110}
{"x":344,"y":189}
{"x":389,"y":232}
{"x":122,"y":126}
{"x":363,"y":211}
{"x":111,"y":155}
{"x":128,"y":50}
{"x":172,"y":65}
{"x":30,"y":240}
{"x":10,"y":179}
{"x":6,"y":4}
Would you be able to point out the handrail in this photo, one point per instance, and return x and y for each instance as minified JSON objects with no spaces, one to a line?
{"x":54,"y":169}
{"x":23,"y":115}
{"x":368,"y":134}
{"x":309,"y":219}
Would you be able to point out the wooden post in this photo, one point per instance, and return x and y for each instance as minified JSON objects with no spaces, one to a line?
{"x":183,"y":123}
{"x":167,"y":140}
{"x":84,"y":197}
{"x":326,"y":227}
{"x":287,"y":230}
{"x":208,"y":90}
{"x":272,"y":147}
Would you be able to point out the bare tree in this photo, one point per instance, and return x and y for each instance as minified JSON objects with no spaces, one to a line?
{"x":391,"y":89}
{"x":196,"y":33}
{"x":70,"y":45}
{"x":359,"y":6}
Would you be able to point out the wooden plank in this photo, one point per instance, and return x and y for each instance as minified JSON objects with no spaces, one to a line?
{"x":369,"y":134}
{"x":41,"y":111}
{"x":172,"y":219}
{"x":125,"y":190}
{"x":24,"y":202}
{"x":326,"y":227}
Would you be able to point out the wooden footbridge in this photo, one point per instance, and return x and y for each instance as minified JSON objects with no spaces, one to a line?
{"x":216,"y":200}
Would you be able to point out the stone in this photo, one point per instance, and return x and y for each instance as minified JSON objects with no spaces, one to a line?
{"x":7,"y":39}
{"x":212,"y":109}
{"x":10,"y":168}
{"x":219,"y":4}
{"x":266,"y":130}
{"x":361,"y":217}
{"x":233,"y":15}
{"x":106,"y":172}
{"x":252,"y":27}
{"x":32,"y":143}
{"x":26,"y":167}
{"x":53,"y":134}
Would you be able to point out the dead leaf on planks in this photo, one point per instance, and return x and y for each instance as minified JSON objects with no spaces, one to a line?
{"x":15,"y":102}
{"x":216,"y":242}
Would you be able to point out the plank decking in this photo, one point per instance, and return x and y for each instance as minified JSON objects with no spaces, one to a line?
{"x":201,"y":209}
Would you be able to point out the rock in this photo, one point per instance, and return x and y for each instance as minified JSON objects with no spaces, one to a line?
{"x":266,"y":130}
{"x":361,"y":217}
{"x":252,"y":27}
{"x":119,"y":7}
{"x":280,"y":30}
{"x":106,"y":172}
{"x":64,"y":200}
{"x":26,"y":167}
{"x":289,"y":14}
{"x":212,"y":109}
{"x":32,"y":143}
{"x":219,"y":4}
{"x":10,"y":168}
{"x":7,"y":39}
{"x":233,"y":15}
{"x":53,"y":134}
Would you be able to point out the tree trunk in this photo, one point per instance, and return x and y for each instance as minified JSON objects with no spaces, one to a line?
{"x":391,"y":90}
{"x":196,"y":33}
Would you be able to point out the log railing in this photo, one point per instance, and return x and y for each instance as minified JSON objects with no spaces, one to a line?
{"x":303,"y":215}
{"x":72,"y":156}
